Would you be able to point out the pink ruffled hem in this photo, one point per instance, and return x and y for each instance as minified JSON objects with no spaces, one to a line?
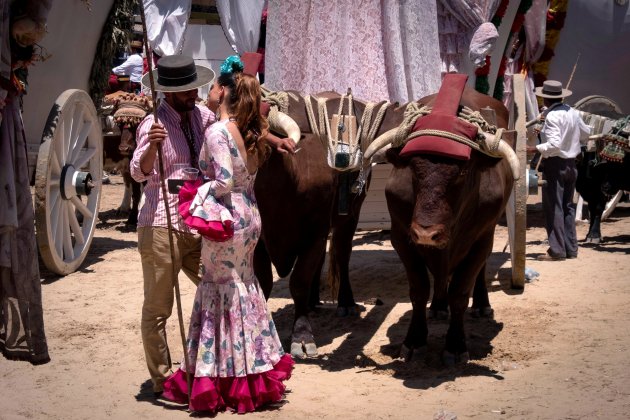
{"x":241,"y":394}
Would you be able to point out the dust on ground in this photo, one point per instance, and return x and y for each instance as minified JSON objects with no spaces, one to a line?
{"x":557,"y":350}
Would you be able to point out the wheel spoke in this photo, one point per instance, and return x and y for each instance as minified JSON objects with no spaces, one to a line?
{"x":56,"y":219}
{"x":68,"y":251}
{"x":77,"y":123}
{"x":69,"y":125}
{"x":86,"y":126}
{"x":75,"y":227}
{"x":84,"y":157}
{"x":60,"y":139}
{"x":55,"y":165}
{"x":85,"y":211}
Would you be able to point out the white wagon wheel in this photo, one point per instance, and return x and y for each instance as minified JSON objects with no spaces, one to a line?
{"x":68,"y":182}
{"x":600,"y":105}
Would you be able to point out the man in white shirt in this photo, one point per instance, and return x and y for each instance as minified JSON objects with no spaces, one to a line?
{"x":132,"y":67}
{"x":562,"y":133}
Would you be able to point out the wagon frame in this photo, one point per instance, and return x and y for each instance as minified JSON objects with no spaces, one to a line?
{"x":64,"y":135}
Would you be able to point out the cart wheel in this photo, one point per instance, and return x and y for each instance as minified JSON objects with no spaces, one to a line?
{"x":68,"y":182}
{"x":516,"y":210}
{"x":599,"y":105}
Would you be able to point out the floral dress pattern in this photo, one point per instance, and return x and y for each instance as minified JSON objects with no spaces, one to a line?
{"x":232,"y":342}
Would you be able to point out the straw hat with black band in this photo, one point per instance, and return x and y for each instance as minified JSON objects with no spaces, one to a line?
{"x":178,"y":73}
{"x":552,"y":89}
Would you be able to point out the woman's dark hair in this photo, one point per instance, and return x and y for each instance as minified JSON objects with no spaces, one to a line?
{"x":243,"y":101}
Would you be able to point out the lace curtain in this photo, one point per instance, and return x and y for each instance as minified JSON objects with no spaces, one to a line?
{"x":167,"y":21}
{"x":381,"y":49}
{"x":459,"y":22}
{"x":241,"y":23}
{"x":535,"y":29}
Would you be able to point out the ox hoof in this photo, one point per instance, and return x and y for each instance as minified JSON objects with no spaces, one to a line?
{"x":302,"y":351}
{"x":343,"y":311}
{"x":485,"y":312}
{"x":449,"y":359}
{"x":297,"y":351}
{"x":592,"y":240}
{"x":311,"y":349}
{"x":408,"y":354}
{"x":439,"y":315}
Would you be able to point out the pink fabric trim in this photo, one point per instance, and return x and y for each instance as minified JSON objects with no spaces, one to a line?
{"x":241,"y":394}
{"x":213,"y":230}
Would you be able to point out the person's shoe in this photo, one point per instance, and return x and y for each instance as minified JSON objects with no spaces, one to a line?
{"x":571,"y":256}
{"x":547,"y":257}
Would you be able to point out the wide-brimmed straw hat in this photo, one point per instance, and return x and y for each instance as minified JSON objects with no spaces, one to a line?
{"x":178,"y":73}
{"x":552,"y":89}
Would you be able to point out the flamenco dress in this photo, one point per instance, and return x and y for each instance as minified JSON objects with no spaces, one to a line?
{"x":233,"y":347}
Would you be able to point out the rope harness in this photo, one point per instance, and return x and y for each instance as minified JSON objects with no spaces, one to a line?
{"x":413,"y":111}
{"x":345,"y":156}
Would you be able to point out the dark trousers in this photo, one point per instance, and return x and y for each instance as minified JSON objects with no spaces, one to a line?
{"x":557,"y":199}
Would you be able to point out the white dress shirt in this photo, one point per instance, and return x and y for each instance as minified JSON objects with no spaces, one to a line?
{"x":132,"y":67}
{"x":562,"y":133}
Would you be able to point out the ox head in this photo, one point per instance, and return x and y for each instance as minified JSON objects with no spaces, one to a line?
{"x":441,"y":188}
{"x":449,"y":180}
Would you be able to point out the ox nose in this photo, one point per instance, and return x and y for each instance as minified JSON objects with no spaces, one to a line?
{"x":434,"y":235}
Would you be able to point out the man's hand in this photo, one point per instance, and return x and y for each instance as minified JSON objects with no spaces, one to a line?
{"x":531,"y":149}
{"x":156,"y":135}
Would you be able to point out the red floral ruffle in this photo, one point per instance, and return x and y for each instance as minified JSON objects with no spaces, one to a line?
{"x":241,"y":394}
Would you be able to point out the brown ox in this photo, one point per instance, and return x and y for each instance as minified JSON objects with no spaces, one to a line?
{"x":444,"y":212}
{"x":298,"y":197}
{"x":117,"y":152}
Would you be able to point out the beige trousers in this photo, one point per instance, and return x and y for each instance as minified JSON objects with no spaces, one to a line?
{"x":157,"y":271}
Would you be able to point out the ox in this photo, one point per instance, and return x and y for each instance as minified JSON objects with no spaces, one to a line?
{"x":116,"y":155}
{"x":444,"y":211}
{"x":298,"y":196}
{"x":598,"y":180}
{"x":128,"y":111}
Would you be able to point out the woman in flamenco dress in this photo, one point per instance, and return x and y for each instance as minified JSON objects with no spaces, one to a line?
{"x":233,"y":346}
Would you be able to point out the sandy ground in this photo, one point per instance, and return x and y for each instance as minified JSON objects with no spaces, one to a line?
{"x":557,"y":350}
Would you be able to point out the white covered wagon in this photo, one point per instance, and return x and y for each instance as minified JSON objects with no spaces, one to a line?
{"x":63,"y":134}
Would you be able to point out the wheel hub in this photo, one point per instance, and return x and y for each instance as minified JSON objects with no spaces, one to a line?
{"x":74,"y":183}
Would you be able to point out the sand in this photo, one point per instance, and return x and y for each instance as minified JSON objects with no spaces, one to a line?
{"x":556,"y":350}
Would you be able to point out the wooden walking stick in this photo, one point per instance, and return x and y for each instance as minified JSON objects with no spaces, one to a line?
{"x":166,"y":205}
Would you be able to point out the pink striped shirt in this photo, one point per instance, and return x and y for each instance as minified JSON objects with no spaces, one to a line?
{"x":174,"y":150}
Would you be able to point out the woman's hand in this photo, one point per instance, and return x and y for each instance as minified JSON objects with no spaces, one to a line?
{"x":282,"y":145}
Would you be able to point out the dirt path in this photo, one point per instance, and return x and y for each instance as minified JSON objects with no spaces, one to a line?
{"x":558,"y":350}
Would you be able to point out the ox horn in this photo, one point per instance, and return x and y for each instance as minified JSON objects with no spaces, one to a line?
{"x":282,"y":123}
{"x":505,"y":151}
{"x":380,"y":142}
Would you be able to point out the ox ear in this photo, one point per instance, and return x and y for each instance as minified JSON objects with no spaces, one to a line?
{"x":509,"y":136}
{"x":393,"y":157}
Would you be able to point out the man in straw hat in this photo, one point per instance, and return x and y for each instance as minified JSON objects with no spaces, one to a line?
{"x":562,"y":134}
{"x":180,"y":131}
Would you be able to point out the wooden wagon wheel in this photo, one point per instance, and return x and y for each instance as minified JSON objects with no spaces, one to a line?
{"x":600,"y":105}
{"x":68,"y":182}
{"x":516,"y":210}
